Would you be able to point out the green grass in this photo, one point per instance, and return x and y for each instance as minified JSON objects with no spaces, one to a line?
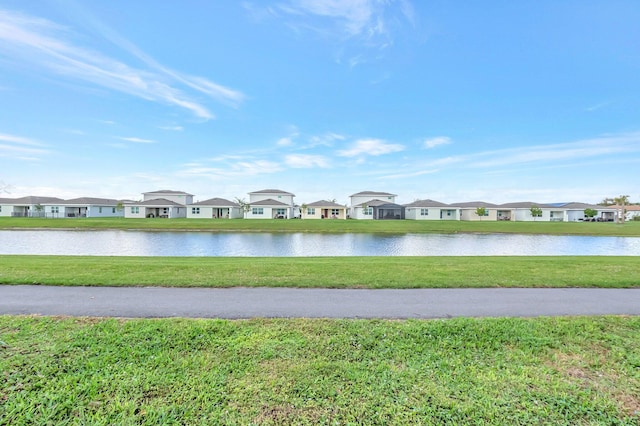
{"x":545,"y":371}
{"x":329,"y":226}
{"x":331,"y":272}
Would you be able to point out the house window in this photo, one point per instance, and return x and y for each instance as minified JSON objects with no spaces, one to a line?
{"x":335,"y":212}
{"x":195,"y":210}
{"x":424,"y":212}
{"x":281,"y":212}
{"x":367,"y":211}
{"x":113,"y":209}
{"x":135,"y":210}
{"x":55,"y":209}
{"x":99,"y":209}
{"x":311,"y":211}
{"x":257,"y":211}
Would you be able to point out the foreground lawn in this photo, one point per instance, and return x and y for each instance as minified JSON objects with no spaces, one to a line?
{"x":327,"y":272}
{"x":547,"y":371}
{"x":331,"y":226}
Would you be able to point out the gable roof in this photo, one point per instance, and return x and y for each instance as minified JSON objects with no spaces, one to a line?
{"x":525,"y":205}
{"x":158,"y":202}
{"x":30,"y":200}
{"x":373,"y":194}
{"x":272,"y":191}
{"x":474,"y":204}
{"x":269,"y":202}
{"x":93,"y":201}
{"x":325,"y":203}
{"x":427,"y":203}
{"x":379,"y":203}
{"x":216,"y":202}
{"x":168,"y":191}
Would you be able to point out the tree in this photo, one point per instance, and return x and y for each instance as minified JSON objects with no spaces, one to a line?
{"x":621,"y":201}
{"x":481,"y":211}
{"x":590,"y":213}
{"x":607,"y":202}
{"x":535,"y":212}
{"x":244,"y":205}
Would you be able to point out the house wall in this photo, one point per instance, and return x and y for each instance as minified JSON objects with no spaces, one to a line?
{"x":283,"y":198}
{"x":319,"y":211}
{"x":6,"y":210}
{"x":358,"y":213}
{"x":267,"y":213}
{"x":359,"y":199}
{"x":176,"y":198}
{"x":434,"y":213}
{"x":104,"y":211}
{"x":470,"y":214}
{"x":208,"y":212}
{"x":524,"y":215}
{"x":128,"y":212}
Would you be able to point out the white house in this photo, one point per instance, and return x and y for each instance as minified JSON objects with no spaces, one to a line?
{"x":324,"y":209}
{"x":430,"y":210}
{"x":271,"y":204}
{"x":92,"y":207}
{"x":214,"y":208}
{"x":165,"y":204}
{"x":32,"y":206}
{"x":375,"y":205}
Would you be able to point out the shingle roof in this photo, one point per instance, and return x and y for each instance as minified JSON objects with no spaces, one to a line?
{"x":525,"y":205}
{"x":158,"y":202}
{"x":474,"y":204}
{"x":269,"y":202}
{"x":378,"y":203}
{"x":373,"y":193}
{"x":217,"y":202}
{"x":92,"y":201}
{"x":325,"y":203}
{"x":168,"y":191}
{"x":30,"y":200}
{"x":427,"y":203}
{"x":272,"y":191}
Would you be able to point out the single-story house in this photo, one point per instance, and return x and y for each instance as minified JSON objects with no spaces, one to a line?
{"x":430,"y":210}
{"x":324,"y":209}
{"x":93,"y":207}
{"x":214,"y":208}
{"x":32,"y":206}
{"x":469,"y":211}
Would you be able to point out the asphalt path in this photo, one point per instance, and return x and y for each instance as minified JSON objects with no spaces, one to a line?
{"x":236,"y":303}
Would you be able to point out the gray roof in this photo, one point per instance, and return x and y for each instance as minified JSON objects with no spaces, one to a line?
{"x":158,"y":202}
{"x":374,"y":194}
{"x":379,"y":203}
{"x":582,"y":206}
{"x":525,"y":205}
{"x":216,"y":202}
{"x":474,"y":204}
{"x":325,"y":203}
{"x":92,"y":201}
{"x":269,"y":202}
{"x":272,"y":191}
{"x":427,"y":203}
{"x":168,"y":191}
{"x":31,"y":200}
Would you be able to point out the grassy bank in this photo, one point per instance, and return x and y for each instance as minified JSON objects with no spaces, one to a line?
{"x":564,"y":371}
{"x":329,"y":226}
{"x":332,"y":272}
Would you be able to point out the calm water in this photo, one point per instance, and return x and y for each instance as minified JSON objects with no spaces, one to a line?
{"x":137,"y":243}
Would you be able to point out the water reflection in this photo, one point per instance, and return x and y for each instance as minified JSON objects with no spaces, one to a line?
{"x":139,"y":243}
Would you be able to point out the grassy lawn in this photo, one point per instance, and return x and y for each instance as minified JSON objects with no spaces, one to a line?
{"x":332,"y":272}
{"x":331,"y":226}
{"x":547,"y":371}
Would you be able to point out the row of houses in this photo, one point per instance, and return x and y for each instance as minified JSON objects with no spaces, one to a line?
{"x":278,"y":204}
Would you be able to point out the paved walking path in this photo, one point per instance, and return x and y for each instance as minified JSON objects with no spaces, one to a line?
{"x":148,"y":302}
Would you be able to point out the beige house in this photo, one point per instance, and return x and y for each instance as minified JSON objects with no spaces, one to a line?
{"x":323,"y":210}
{"x":468,"y":210}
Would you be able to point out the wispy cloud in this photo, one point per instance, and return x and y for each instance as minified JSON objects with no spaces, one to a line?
{"x":44,"y":44}
{"x":327,"y":139}
{"x":433,"y":142}
{"x":302,"y":161}
{"x":21,"y":148}
{"x":368,"y":24}
{"x":373,"y":147}
{"x":172,"y":128}
{"x":136,"y":140}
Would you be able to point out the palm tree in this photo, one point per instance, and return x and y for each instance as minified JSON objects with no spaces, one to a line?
{"x":621,"y":201}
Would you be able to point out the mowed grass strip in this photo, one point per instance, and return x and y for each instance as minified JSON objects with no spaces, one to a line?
{"x":547,"y":371}
{"x":329,"y":226}
{"x":324,"y":272}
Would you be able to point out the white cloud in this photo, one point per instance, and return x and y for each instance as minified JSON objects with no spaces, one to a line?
{"x":18,"y":140}
{"x":286,"y":141}
{"x":433,"y":142}
{"x":327,"y":139}
{"x":172,"y":128}
{"x":373,"y":147}
{"x":136,"y":140}
{"x":302,"y":161}
{"x":42,"y":43}
{"x":21,"y":148}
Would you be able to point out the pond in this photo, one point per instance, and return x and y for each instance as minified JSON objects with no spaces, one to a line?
{"x":148,"y":243}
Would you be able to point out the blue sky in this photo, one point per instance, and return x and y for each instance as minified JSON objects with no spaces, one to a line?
{"x":450,"y":100}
